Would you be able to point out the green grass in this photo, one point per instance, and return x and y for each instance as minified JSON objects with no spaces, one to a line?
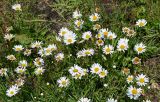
{"x":41,"y":20}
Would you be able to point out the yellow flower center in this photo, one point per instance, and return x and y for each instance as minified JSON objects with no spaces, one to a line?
{"x":102,"y":73}
{"x":78,"y":23}
{"x":140,"y":49}
{"x":64,"y":82}
{"x":110,"y":37}
{"x":122,"y":46}
{"x":141,"y":24}
{"x":141,"y":80}
{"x":134,"y":91}
{"x":69,"y":40}
{"x":63,"y":32}
{"x":11,"y":92}
{"x":130,"y":78}
{"x":88,"y":36}
{"x":108,"y":49}
{"x":96,"y":69}
{"x":39,"y":71}
{"x":18,"y":49}
{"x":95,"y":18}
{"x":87,"y":52}
{"x":75,"y":70}
{"x":105,"y":33}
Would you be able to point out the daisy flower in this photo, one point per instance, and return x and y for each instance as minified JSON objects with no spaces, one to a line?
{"x":87,"y":35}
{"x":41,"y":52}
{"x":11,"y":57}
{"x":80,"y":54}
{"x":88,"y":52}
{"x":94,"y":17}
{"x":77,"y":14}
{"x":133,"y":92}
{"x":96,"y":27}
{"x":122,"y":44}
{"x":104,"y":32}
{"x":70,"y":38}
{"x":23,"y":63}
{"x":103,"y":73}
{"x":9,"y":37}
{"x":140,"y":48}
{"x":141,"y":22}
{"x":3,"y":71}
{"x":59,"y":57}
{"x":53,"y":47}
{"x":27,"y":52}
{"x":20,"y":70}
{"x":63,"y":31}
{"x":39,"y":71}
{"x":130,"y":79}
{"x":100,"y":42}
{"x":96,"y":68}
{"x":63,"y":82}
{"x":75,"y":70}
{"x":47,"y":51}
{"x":36,"y":44}
{"x":136,"y":60}
{"x":125,"y":29}
{"x":78,"y":23}
{"x":16,"y":7}
{"x":142,"y":80}
{"x":38,"y":62}
{"x":126,"y":71}
{"x":13,"y":90}
{"x":111,"y":100}
{"x":18,"y":48}
{"x":99,"y":35}
{"x":111,"y":35}
{"x":84,"y":100}
{"x":131,"y":33}
{"x":147,"y":101}
{"x":108,"y":49}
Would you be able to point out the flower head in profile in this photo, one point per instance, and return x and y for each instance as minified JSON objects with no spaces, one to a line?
{"x":125,"y":29}
{"x":18,"y":48}
{"x":140,"y":48}
{"x":77,"y":14}
{"x":13,"y":90}
{"x":84,"y":100}
{"x":20,"y":70}
{"x":141,"y":22}
{"x":142,"y":80}
{"x":36,"y":44}
{"x":94,"y":17}
{"x":17,"y":7}
{"x":133,"y":92}
{"x":87,"y":52}
{"x":63,"y":82}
